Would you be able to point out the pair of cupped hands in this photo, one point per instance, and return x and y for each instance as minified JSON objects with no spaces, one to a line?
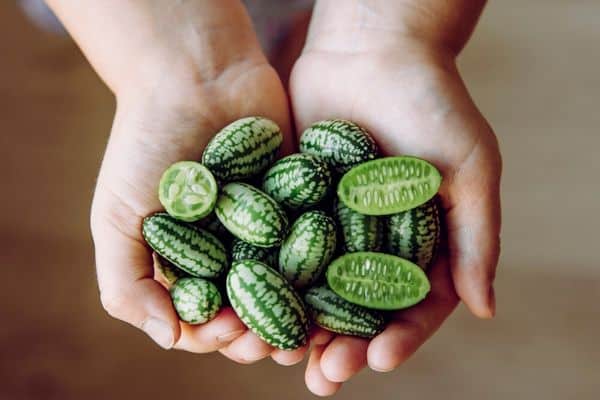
{"x":183,"y":84}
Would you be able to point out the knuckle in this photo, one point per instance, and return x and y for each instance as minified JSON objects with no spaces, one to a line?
{"x":113,"y":303}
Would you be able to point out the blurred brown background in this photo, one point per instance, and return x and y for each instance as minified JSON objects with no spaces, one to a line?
{"x":532,"y":67}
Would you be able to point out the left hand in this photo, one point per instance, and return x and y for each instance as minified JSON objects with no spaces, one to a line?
{"x":411,"y":98}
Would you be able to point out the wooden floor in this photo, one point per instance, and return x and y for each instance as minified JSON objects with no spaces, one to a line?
{"x":533,"y":68}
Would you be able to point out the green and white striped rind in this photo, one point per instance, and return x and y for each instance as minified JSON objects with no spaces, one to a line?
{"x":167,"y":270}
{"x":389,"y":185}
{"x":267,"y":304}
{"x":241,"y":250}
{"x":415,"y":234}
{"x":359,"y":232}
{"x":377,"y":280}
{"x":243,"y":148}
{"x":298,"y":181}
{"x":251,"y":215}
{"x":196,"y":300}
{"x":187,"y":190}
{"x":330,"y":311}
{"x":308,"y":248}
{"x":342,"y":144}
{"x":194,"y":250}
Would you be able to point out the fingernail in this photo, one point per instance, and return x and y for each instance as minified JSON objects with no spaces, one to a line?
{"x":230,"y":336}
{"x":378,"y":369}
{"x":492,"y":301}
{"x":159,"y":331}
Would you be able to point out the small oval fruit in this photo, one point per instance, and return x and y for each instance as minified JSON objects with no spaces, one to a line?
{"x":243,"y":149}
{"x":389,"y":185}
{"x":359,"y":232}
{"x":267,"y":304}
{"x":331,"y":312}
{"x":188,"y":191}
{"x":414,"y":234}
{"x":241,"y":250}
{"x":196,"y":300}
{"x":298,"y":181}
{"x":342,"y":144}
{"x":377,"y":280}
{"x":194,"y":250}
{"x":308,"y":248}
{"x":251,"y":215}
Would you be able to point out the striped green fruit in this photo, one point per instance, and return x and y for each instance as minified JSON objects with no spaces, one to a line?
{"x":415,"y":234}
{"x":359,"y":232}
{"x":330,"y":311}
{"x":308,"y":248}
{"x":251,"y":215}
{"x":298,"y":181}
{"x":243,"y":148}
{"x":241,"y":250}
{"x":389,"y":185}
{"x":267,"y":304}
{"x":167,"y":270}
{"x":342,"y":144}
{"x":192,"y":249}
{"x":196,"y":300}
{"x":212,"y":224}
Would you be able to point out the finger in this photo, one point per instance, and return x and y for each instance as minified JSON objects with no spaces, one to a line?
{"x":344,"y":357}
{"x":474,"y":228}
{"x":248,"y":348}
{"x":315,"y":380}
{"x":287,"y":358}
{"x":211,"y":336}
{"x":410,"y":328}
{"x":320,"y":336}
{"x":127,"y":290}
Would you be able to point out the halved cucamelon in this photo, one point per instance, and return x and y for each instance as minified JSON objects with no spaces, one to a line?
{"x":377,"y":280}
{"x":267,"y":304}
{"x":389,"y":185}
{"x":241,"y":250}
{"x":308,"y":248}
{"x":342,"y":144}
{"x":298,"y":180}
{"x":187,"y":190}
{"x":167,"y":270}
{"x":330,"y":311}
{"x":414,"y":234}
{"x":243,"y":148}
{"x":194,"y":250}
{"x":359,"y":232}
{"x":251,"y":215}
{"x":196,"y":300}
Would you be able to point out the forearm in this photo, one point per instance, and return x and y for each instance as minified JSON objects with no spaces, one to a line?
{"x":365,"y":25}
{"x":129,"y":41}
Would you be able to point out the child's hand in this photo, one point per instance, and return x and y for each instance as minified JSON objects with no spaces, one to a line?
{"x":180,"y":72}
{"x":409,"y":95}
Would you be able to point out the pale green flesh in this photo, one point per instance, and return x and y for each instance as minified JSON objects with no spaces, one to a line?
{"x":377,"y":280}
{"x":389,"y":185}
{"x":187,"y":190}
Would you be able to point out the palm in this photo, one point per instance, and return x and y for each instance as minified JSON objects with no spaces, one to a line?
{"x":412,"y":104}
{"x":149,"y":134}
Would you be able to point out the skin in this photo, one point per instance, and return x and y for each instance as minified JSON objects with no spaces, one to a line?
{"x":189,"y":68}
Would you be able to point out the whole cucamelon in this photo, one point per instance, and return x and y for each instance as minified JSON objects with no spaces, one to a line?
{"x":192,"y":249}
{"x":308,"y":248}
{"x":389,"y":185}
{"x":167,"y":270}
{"x":330,"y":311}
{"x":414,"y":234}
{"x":298,"y":181}
{"x":342,"y":144}
{"x":251,"y":215}
{"x":243,"y":149}
{"x":196,"y":300}
{"x":187,"y":190}
{"x":359,"y":232}
{"x":241,"y":250}
{"x":377,"y":280}
{"x":267,"y":304}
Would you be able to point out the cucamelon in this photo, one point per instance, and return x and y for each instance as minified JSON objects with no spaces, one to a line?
{"x":167,"y":270}
{"x":196,"y":300}
{"x":241,"y":250}
{"x":359,"y":232}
